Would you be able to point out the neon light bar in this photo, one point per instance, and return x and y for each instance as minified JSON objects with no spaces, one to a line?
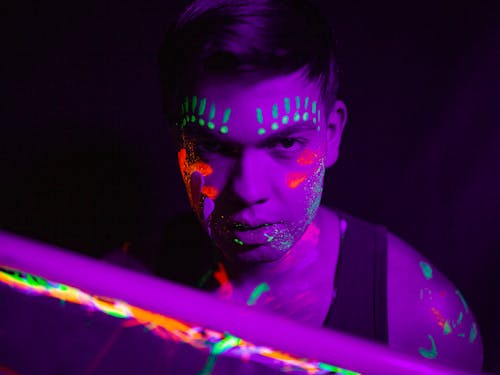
{"x":143,"y":306}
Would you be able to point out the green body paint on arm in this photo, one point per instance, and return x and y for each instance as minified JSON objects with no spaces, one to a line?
{"x":257,"y":292}
{"x":426,"y":270}
{"x":429,"y":353}
{"x":466,"y":307}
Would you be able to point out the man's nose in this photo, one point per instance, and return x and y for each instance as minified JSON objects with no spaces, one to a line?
{"x":250,"y":183}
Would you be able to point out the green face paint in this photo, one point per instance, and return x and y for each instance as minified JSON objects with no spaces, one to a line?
{"x":287,"y":105}
{"x":227,"y":115}
{"x":260,"y":117}
{"x":429,"y":353}
{"x":275,"y":111}
{"x":203,"y":105}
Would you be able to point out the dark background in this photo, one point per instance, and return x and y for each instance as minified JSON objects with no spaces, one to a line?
{"x":86,"y":161}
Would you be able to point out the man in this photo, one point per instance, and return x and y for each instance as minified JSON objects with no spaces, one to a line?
{"x":250,"y":90}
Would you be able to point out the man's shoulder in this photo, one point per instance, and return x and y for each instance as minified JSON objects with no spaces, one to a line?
{"x":428,"y":316}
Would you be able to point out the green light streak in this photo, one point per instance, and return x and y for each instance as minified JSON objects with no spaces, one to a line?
{"x":426,"y":270}
{"x":275,"y":111}
{"x":336,"y":370}
{"x":193,"y":118}
{"x":314,"y":107}
{"x":296,"y":117}
{"x":285,"y":120}
{"x":429,"y":353}
{"x":260,"y":117}
{"x":227,"y":114}
{"x":307,"y":103}
{"x":257,"y":292}
{"x":319,"y":115}
{"x":203,"y":105}
{"x":297,"y":102}
{"x":460,"y":317}
{"x":287,"y":105}
{"x":306,"y":116}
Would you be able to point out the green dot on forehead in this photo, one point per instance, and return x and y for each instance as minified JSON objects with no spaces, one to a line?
{"x":260,"y":117}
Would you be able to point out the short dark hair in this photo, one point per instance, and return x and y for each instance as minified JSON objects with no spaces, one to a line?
{"x":248,"y":39}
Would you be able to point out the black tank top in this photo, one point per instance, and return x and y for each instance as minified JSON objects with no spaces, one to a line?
{"x":359,"y":304}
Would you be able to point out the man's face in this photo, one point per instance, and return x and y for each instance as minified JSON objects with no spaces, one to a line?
{"x":262,"y":150}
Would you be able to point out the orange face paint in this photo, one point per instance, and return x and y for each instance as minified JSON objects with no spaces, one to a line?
{"x":307,"y":157}
{"x":210,"y":192}
{"x":294,"y":179}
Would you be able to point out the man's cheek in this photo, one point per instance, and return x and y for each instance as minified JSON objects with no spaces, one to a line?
{"x":306,"y":168}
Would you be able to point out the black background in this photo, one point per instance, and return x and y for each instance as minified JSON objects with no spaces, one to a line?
{"x":86,"y":162}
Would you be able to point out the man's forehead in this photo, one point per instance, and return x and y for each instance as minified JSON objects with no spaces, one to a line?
{"x":259,"y":109}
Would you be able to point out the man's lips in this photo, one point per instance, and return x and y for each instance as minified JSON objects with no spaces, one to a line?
{"x":241,"y":226}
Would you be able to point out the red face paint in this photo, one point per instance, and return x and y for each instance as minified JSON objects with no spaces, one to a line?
{"x":294,"y":179}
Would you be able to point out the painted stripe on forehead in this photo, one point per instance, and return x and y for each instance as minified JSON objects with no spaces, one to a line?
{"x":203,"y":105}
{"x":227,"y":115}
{"x":287,"y":105}
{"x":260,"y":117}
{"x":194,"y":103}
{"x":212,"y":111}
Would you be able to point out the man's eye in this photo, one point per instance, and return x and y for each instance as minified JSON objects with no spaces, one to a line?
{"x":289,"y":144}
{"x":210,"y":146}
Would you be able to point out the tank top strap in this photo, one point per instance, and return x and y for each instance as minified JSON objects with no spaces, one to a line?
{"x":359,"y":306}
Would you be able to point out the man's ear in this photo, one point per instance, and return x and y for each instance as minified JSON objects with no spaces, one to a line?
{"x":334,"y":129}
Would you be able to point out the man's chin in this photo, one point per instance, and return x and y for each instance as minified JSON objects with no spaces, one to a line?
{"x":253,"y":254}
